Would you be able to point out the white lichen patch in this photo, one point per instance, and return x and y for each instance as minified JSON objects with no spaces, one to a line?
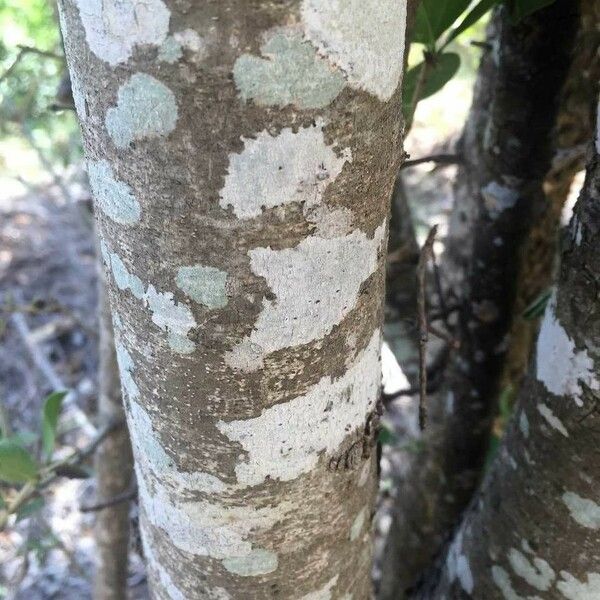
{"x":498,"y":198}
{"x":192,"y":41}
{"x":315,"y":284}
{"x":205,"y":528}
{"x":583,"y":510}
{"x":457,"y":565}
{"x":258,"y":562}
{"x":538,"y":573}
{"x":115,"y":198}
{"x":175,"y":319}
{"x":113,"y":28}
{"x":205,"y":285}
{"x":325,"y":593}
{"x":153,"y":457}
{"x":560,"y":366}
{"x":154,"y":565}
{"x":503,"y":582}
{"x":524,"y":424}
{"x":296,"y":435}
{"x":552,"y":419}
{"x":364,"y":38}
{"x":290,"y":73}
{"x":573,"y":589}
{"x":146,"y":108}
{"x":272,"y":171}
{"x":358,"y":524}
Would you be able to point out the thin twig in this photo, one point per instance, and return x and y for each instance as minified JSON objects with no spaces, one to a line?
{"x":49,"y":473}
{"x":426,"y":255}
{"x":440,"y":159}
{"x":118,"y":499}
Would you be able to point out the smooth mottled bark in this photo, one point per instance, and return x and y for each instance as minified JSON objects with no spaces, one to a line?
{"x":242,"y":155}
{"x":533,"y":530}
{"x":113,"y":467}
{"x":506,"y":148}
{"x":574,"y":126}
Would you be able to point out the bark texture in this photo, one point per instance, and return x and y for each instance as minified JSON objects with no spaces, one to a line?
{"x":574,"y":126}
{"x":533,"y":530}
{"x":113,"y":467}
{"x":506,"y":147}
{"x":242,"y":155}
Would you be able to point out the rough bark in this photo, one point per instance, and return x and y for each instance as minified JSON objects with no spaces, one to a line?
{"x":506,"y":147}
{"x":242,"y":155}
{"x":574,"y":127}
{"x":533,"y":530}
{"x":113,"y":467}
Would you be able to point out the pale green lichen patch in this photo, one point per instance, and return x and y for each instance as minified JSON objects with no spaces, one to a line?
{"x":124,"y":279}
{"x":145,"y":108}
{"x":205,"y":285}
{"x":258,"y":562}
{"x":290,"y":73}
{"x":175,"y":319}
{"x":170,"y":51}
{"x":115,"y":198}
{"x":126,"y":368}
{"x":114,"y":27}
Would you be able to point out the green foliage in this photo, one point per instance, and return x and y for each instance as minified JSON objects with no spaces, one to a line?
{"x":433,"y":28}
{"x":476,"y":13}
{"x":386,"y":436}
{"x":434,"y":17}
{"x":439,"y":70}
{"x":30,"y":508}
{"x":50,"y":413}
{"x":16,"y":463}
{"x":28,"y":92}
{"x":538,"y":306}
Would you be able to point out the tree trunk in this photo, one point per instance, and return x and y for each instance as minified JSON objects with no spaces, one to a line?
{"x":114,"y":469}
{"x":532,"y":532}
{"x":242,"y":156}
{"x":506,"y":149}
{"x":574,"y":127}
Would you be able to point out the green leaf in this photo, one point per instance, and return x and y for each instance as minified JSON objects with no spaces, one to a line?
{"x":434,"y":17}
{"x":30,"y":508}
{"x":538,"y":306}
{"x":440,"y":71}
{"x":476,"y":13}
{"x":24,"y":438}
{"x":50,"y":413}
{"x":521,"y":8}
{"x":16,"y":464}
{"x":386,"y":436}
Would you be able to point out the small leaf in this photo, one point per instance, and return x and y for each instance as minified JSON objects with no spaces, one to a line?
{"x":24,"y":438}
{"x":50,"y":412}
{"x":386,"y":436}
{"x":538,"y":306}
{"x":434,"y":17}
{"x":30,"y":508}
{"x":442,"y":69}
{"x":476,"y":13}
{"x":521,"y":8}
{"x":16,"y":464}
